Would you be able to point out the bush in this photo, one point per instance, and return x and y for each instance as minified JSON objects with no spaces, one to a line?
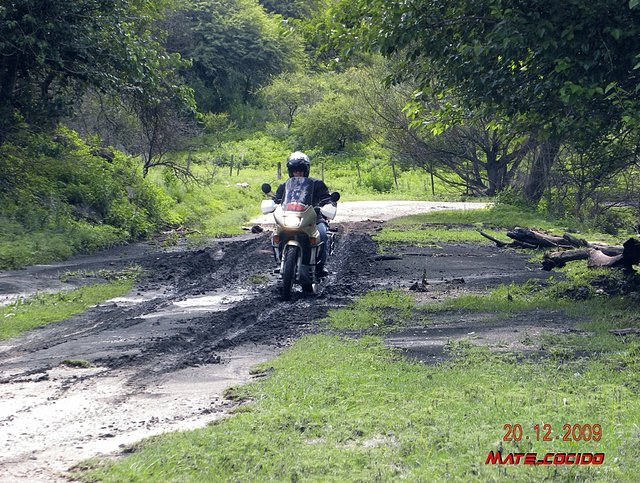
{"x":329,"y":125}
{"x":216,"y":123}
{"x":60,"y":195}
{"x":379,"y":180}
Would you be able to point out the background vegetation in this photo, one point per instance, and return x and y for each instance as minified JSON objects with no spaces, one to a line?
{"x":157,"y":115}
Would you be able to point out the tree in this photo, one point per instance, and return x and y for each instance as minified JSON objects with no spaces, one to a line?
{"x":482,"y":155}
{"x":299,"y":9}
{"x":289,"y":94}
{"x":565,"y":71}
{"x":53,"y":51}
{"x":329,"y":124}
{"x":235,"y":47}
{"x":554,"y":62}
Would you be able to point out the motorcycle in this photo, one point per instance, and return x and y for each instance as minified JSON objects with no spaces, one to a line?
{"x":296,"y":241}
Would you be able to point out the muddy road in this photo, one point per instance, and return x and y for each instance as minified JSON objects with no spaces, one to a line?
{"x":161,"y":357}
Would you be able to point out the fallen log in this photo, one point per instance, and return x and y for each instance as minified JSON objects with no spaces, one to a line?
{"x":575,"y":241}
{"x":631,"y":252}
{"x":598,"y":255}
{"x":559,"y":259}
{"x":599,"y":259}
{"x":513,"y":244}
{"x":499,"y":243}
{"x":610,"y":250}
{"x":628,"y":331}
{"x":537,"y":238}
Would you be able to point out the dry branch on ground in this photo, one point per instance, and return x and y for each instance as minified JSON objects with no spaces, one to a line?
{"x":569,"y":247}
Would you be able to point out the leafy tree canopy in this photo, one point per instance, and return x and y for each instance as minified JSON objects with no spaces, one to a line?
{"x":566,"y":68}
{"x":235,"y":47}
{"x":53,"y":51}
{"x":300,"y":9}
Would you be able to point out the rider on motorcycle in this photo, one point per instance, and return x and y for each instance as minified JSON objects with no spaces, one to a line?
{"x":298,"y":165}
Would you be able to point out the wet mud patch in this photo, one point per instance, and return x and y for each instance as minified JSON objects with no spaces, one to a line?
{"x":468,"y":266}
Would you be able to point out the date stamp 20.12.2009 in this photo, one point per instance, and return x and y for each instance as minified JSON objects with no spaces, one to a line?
{"x":544,"y":432}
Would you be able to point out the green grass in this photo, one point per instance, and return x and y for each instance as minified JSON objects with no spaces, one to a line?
{"x":20,"y":248}
{"x":351,"y":410}
{"x":432,"y":235}
{"x":429,"y":229}
{"x":375,"y":309}
{"x":336,"y":409}
{"x":27,"y":314}
{"x":500,"y":215}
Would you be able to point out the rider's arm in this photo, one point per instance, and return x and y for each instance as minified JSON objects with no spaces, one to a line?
{"x":277,"y":198}
{"x":322,"y":194}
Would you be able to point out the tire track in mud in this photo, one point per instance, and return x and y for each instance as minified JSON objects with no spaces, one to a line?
{"x":261,"y":319}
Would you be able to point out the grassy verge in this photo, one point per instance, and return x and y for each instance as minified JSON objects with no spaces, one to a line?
{"x":465,"y":226}
{"x":380,"y":310}
{"x":43,"y":309}
{"x":351,"y":410}
{"x":22,"y":248}
{"x":344,"y":409}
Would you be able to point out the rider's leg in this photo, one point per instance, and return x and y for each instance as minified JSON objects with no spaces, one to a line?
{"x":322,"y":256}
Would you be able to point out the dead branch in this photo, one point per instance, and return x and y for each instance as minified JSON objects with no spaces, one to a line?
{"x":559,"y":259}
{"x":569,"y":247}
{"x":537,"y":238}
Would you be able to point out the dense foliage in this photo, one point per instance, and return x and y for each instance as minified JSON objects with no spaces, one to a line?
{"x":564,"y":75}
{"x":567,"y":67}
{"x":79,"y":196}
{"x":234,"y":47}
{"x":54,"y":51}
{"x":534,"y":103}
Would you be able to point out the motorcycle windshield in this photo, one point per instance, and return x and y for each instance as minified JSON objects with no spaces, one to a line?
{"x":298,"y":194}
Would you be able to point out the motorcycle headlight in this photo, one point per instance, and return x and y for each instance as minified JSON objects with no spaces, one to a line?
{"x":291,"y":221}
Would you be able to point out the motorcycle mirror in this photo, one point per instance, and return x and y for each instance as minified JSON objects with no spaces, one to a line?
{"x":266,"y":188}
{"x":335,"y":196}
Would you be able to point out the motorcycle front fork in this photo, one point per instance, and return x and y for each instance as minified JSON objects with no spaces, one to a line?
{"x":306,"y":273}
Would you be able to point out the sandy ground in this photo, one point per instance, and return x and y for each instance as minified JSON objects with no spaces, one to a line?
{"x":350,"y":211}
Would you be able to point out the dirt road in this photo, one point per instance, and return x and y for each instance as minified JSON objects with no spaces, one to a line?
{"x":162,"y":357}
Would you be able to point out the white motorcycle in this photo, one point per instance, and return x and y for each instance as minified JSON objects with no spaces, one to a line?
{"x":296,"y":241}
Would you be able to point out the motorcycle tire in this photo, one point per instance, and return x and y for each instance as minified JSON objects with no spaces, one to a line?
{"x":288,"y":272}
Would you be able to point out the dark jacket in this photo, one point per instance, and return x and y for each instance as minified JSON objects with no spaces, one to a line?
{"x":321,"y":195}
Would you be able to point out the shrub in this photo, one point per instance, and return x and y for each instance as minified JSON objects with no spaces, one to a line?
{"x":380,"y":180}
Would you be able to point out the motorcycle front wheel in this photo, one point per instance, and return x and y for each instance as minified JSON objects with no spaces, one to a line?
{"x":288,"y":272}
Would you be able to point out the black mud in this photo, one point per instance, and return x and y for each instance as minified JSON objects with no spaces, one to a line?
{"x":148,"y":335}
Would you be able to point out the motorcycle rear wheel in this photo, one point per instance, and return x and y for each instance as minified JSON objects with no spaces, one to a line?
{"x":288,"y":272}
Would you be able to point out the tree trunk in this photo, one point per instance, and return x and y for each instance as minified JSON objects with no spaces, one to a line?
{"x":542,"y":161}
{"x":599,"y":259}
{"x":537,"y":238}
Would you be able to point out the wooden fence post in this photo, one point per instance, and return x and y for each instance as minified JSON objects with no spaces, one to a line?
{"x":395,"y":176}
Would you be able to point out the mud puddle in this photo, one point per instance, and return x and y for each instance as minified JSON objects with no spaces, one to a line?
{"x":65,"y":415}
